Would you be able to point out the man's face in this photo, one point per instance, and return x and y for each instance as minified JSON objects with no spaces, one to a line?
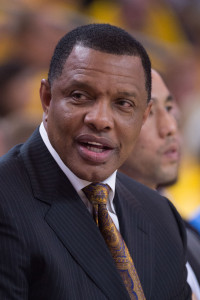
{"x":94,"y":111}
{"x":156,"y":155}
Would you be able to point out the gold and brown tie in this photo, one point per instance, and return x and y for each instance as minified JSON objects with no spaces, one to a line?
{"x":97,"y":194}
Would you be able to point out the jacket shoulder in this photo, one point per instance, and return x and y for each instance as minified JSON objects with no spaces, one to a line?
{"x":158,"y":209}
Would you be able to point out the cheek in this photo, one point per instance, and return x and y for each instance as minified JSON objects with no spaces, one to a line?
{"x":132,"y":132}
{"x":59,"y":127}
{"x":61,"y":117}
{"x":145,"y":144}
{"x":129,"y":138}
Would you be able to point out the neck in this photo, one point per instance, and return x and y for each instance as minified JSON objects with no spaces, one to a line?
{"x":150,"y":184}
{"x":141,"y":179}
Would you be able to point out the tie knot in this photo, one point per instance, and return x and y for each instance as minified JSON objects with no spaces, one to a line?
{"x":97,"y":193}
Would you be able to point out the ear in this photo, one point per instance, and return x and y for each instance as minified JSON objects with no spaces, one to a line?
{"x":147,"y":111}
{"x":45,"y":96}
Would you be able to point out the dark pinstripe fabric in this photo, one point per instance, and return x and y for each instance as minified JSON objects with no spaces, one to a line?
{"x":51,"y":249}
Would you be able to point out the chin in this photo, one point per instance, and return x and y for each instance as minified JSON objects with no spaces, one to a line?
{"x":168,"y":183}
{"x":93,"y":175}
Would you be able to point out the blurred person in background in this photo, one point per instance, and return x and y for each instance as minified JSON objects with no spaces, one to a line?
{"x":183,"y":81}
{"x":188,"y":186}
{"x":155,"y":161}
{"x":15,"y":87}
{"x":35,"y":37}
{"x":34,"y":27}
{"x":16,"y":129}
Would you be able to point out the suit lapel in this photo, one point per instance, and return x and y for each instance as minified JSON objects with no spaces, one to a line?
{"x":75,"y":227}
{"x":137,"y":233}
{"x":70,"y":220}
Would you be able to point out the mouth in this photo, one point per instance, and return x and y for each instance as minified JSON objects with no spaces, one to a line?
{"x":172,"y":153}
{"x":94,"y":149}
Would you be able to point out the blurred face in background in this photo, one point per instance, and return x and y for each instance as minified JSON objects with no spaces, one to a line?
{"x":156,"y":155}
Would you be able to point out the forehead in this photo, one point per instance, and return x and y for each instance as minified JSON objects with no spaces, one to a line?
{"x":89,"y":64}
{"x":160,"y":93}
{"x":88,"y":55}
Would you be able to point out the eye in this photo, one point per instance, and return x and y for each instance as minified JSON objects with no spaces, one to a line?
{"x":78,"y":96}
{"x":125,"y":103}
{"x":169,"y":108}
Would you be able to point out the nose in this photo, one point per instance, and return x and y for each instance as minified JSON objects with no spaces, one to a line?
{"x":99,"y":116}
{"x":166,"y":124}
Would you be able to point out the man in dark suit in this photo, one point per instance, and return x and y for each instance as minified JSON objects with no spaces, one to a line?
{"x":95,"y":101}
{"x":155,"y":161}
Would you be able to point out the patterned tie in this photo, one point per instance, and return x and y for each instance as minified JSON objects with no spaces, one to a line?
{"x":97,"y":193}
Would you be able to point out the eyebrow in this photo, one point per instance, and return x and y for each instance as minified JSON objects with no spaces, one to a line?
{"x":169,"y":98}
{"x":128,"y":94}
{"x":78,"y":85}
{"x":81,"y":84}
{"x":85,"y":85}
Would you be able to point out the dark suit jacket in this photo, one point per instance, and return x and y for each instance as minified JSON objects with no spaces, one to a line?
{"x":51,"y":249}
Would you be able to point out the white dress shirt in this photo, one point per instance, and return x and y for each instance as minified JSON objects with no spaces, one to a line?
{"x":78,"y":183}
{"x":192,"y":281}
